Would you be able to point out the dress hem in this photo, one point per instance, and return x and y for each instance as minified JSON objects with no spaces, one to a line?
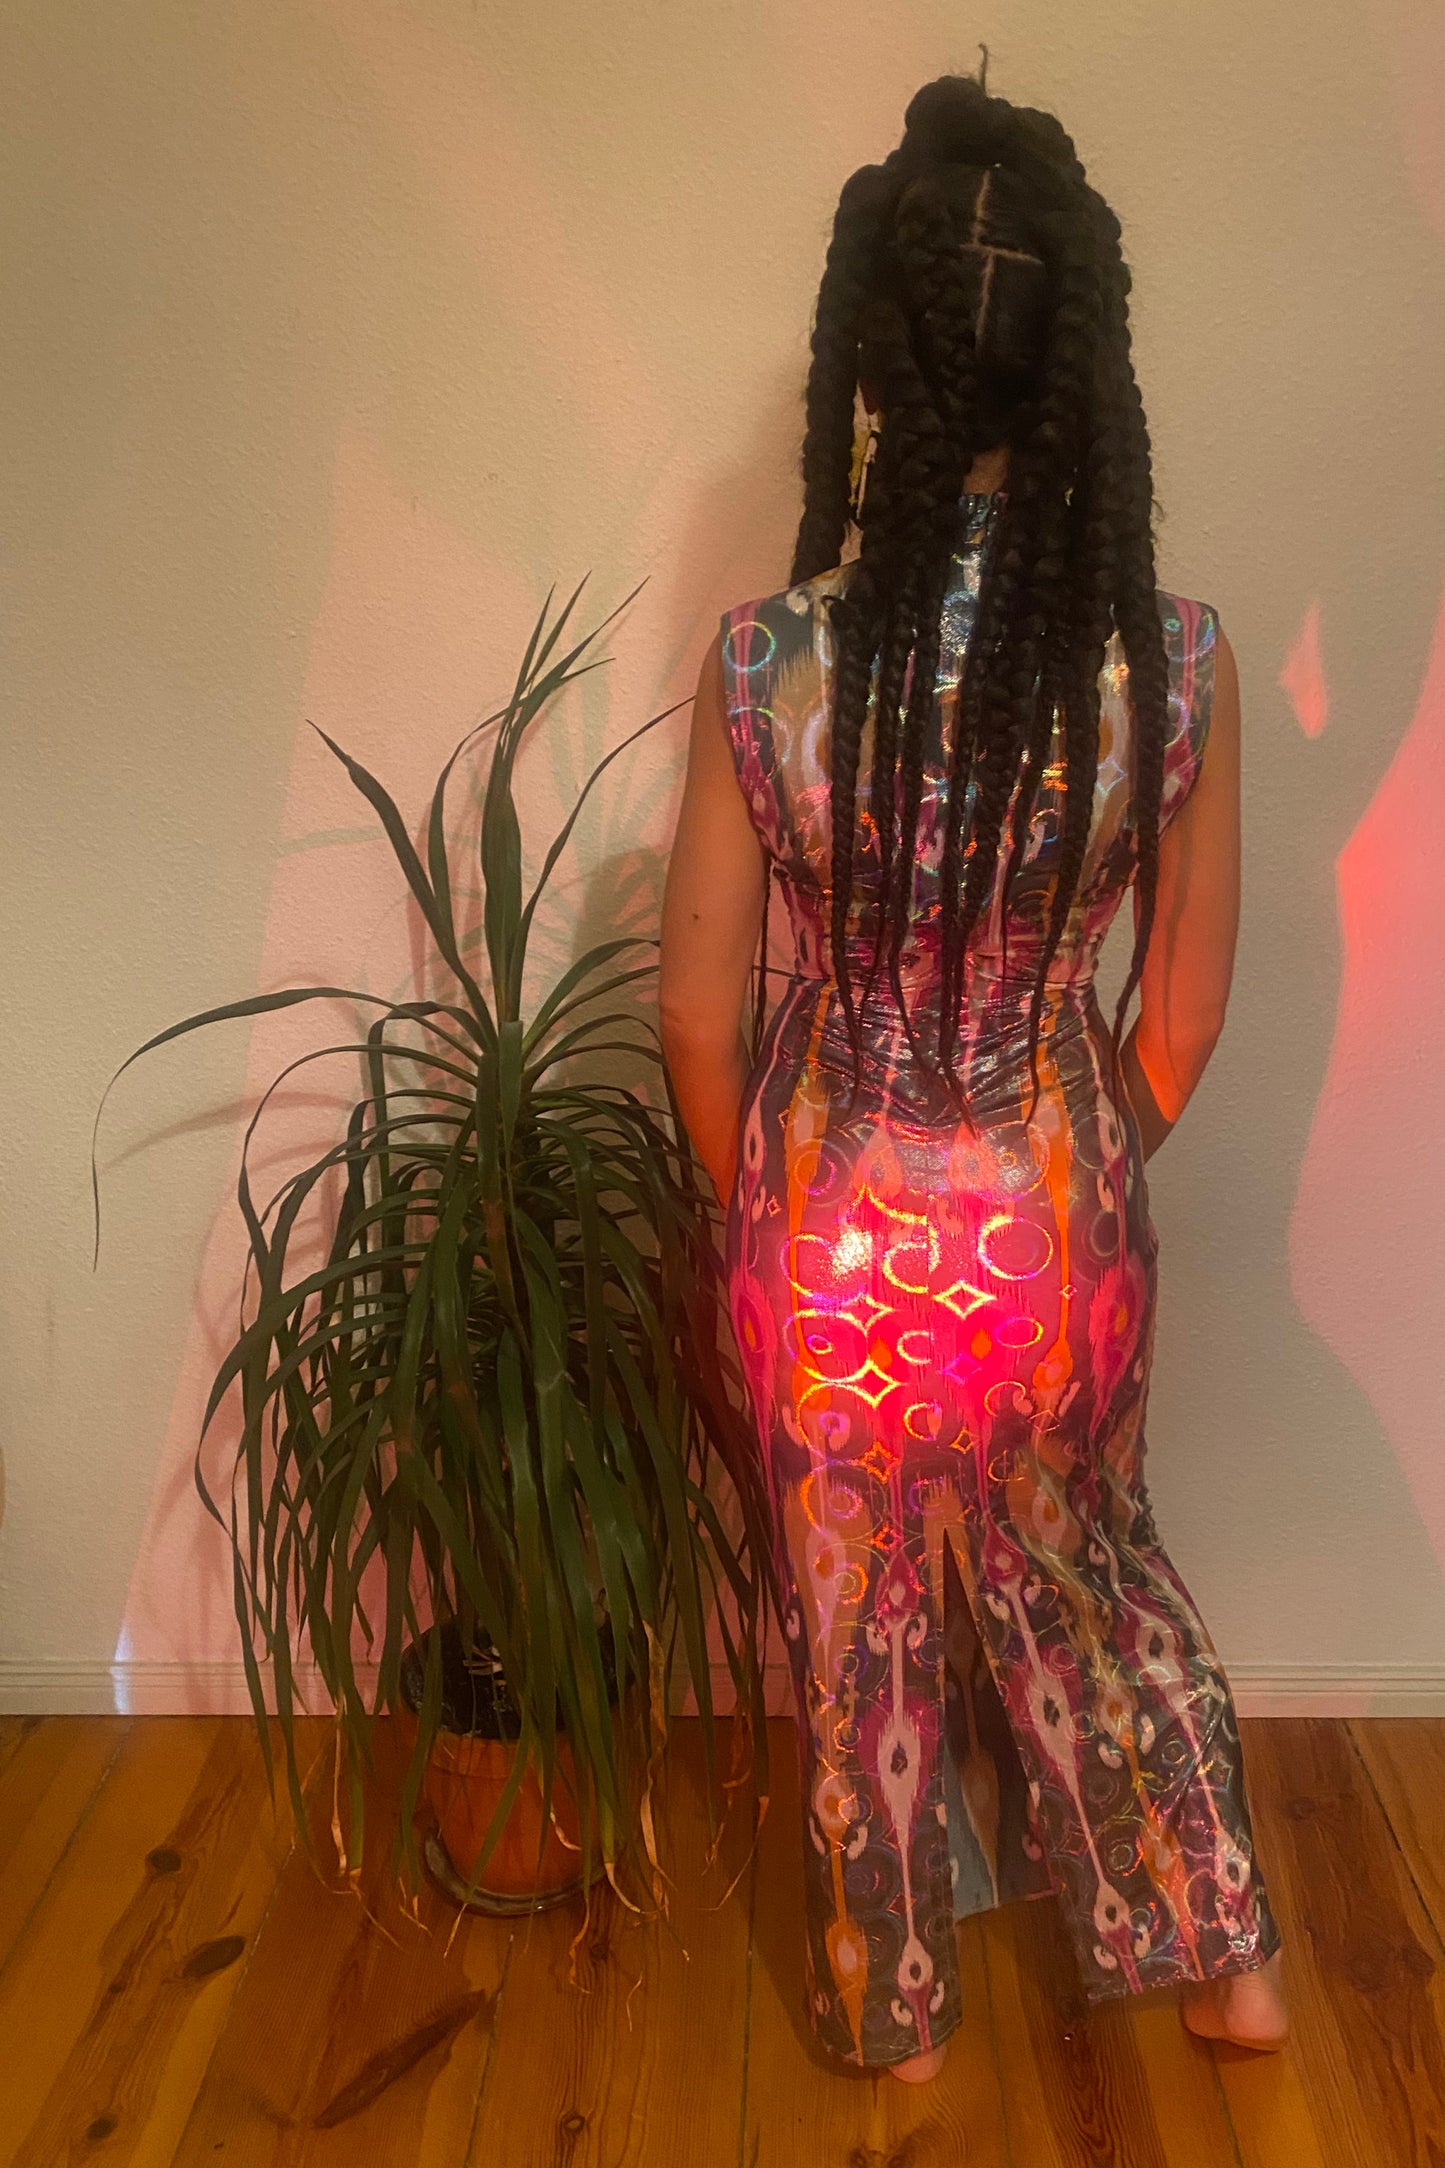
{"x":1227,"y":1969}
{"x":1094,"y":1997}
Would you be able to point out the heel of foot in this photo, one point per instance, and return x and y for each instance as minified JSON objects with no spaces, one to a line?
{"x":1259,"y":2021}
{"x":918,"y":2069}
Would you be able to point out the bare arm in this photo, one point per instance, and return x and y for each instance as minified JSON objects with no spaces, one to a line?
{"x":711,"y":915}
{"x":1184,"y":989}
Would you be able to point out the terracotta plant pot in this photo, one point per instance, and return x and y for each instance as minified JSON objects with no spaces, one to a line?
{"x":470,"y":1763}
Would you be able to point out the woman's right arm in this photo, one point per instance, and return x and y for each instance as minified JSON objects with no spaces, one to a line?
{"x":1184,"y":988}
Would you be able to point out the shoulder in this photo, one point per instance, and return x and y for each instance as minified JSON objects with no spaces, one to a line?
{"x":1200,"y":660}
{"x":1191,"y":627}
{"x":1197,"y":649}
{"x":799,"y":601}
{"x":768,"y":634}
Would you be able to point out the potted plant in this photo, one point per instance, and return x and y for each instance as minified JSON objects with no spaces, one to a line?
{"x":478,"y":1441}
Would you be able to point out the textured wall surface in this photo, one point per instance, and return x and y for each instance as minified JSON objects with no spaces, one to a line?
{"x":334,"y":333}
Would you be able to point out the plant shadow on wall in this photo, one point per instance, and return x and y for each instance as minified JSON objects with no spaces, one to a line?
{"x":490,"y":1433}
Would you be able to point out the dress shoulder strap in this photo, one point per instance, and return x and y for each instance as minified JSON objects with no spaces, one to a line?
{"x":1190,"y":633}
{"x":774,"y":688}
{"x":748,"y":645}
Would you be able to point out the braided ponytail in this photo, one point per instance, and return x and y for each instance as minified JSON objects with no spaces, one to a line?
{"x":975,"y":283}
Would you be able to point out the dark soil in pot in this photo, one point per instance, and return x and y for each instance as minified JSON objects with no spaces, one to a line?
{"x":476,"y":1701}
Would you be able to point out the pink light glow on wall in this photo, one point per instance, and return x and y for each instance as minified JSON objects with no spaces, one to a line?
{"x":1375,"y":1160}
{"x":399,"y":642}
{"x":1366,"y":1234}
{"x":1303,"y":676}
{"x":416,"y":628}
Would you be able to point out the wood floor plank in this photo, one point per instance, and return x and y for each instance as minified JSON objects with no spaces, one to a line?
{"x":14,"y":1731}
{"x":1190,"y":2109}
{"x":1363,"y":2080}
{"x":122,"y":1976}
{"x":1120,"y":2081}
{"x":640,"y":2065}
{"x":181,"y":1990}
{"x":359,"y":2033}
{"x":805,"y":2106}
{"x":51,"y":1768}
{"x":1405,"y":1758}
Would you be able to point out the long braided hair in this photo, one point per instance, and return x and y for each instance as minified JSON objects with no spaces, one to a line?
{"x":975,"y":286}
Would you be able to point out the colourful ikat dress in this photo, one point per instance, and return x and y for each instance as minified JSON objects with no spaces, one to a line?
{"x":1003,"y":1687}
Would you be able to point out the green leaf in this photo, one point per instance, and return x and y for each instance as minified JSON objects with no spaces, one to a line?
{"x":442,"y":930}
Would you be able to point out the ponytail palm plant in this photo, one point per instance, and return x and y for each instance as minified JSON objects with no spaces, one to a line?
{"x":499,"y":1403}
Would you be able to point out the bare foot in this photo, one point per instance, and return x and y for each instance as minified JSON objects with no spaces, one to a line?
{"x":1246,"y":2008}
{"x":918,"y":2069}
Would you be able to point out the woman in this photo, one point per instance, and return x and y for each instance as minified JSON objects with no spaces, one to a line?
{"x":954,"y":751}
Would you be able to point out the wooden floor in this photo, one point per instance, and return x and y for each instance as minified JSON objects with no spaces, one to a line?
{"x":178,"y":1985}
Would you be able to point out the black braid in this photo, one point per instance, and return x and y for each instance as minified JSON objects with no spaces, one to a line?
{"x":976,"y":288}
{"x":926,"y":241}
{"x":865,"y":204}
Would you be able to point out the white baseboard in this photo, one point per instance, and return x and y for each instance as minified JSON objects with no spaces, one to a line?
{"x":219,"y":1689}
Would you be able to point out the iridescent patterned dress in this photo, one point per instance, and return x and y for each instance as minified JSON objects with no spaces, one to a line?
{"x":947,"y":1336}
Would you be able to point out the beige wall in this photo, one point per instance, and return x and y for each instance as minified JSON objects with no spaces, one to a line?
{"x":333,"y":333}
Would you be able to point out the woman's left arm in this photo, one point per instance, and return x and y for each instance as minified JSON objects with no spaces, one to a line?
{"x":712,"y":912}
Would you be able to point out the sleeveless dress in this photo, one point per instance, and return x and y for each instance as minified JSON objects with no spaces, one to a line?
{"x":1003,"y":1687}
